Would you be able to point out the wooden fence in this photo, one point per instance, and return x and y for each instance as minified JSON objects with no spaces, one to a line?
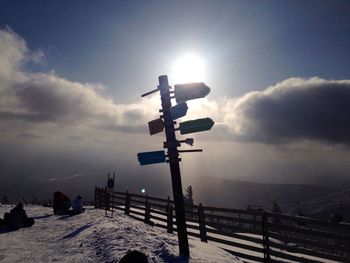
{"x":256,"y":236}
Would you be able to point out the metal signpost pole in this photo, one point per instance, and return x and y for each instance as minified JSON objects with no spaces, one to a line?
{"x":174,"y":166}
{"x":182,"y":93}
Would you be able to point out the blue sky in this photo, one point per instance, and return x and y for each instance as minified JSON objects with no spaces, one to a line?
{"x":72,"y":72}
{"x":125,"y":45}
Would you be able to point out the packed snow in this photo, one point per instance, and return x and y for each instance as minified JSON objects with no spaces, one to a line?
{"x":93,"y":237}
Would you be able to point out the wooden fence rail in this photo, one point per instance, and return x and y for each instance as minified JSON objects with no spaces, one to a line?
{"x":254,"y":235}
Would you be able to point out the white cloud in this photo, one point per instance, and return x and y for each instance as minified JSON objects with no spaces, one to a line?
{"x":55,"y":179}
{"x":30,"y":98}
{"x":293,"y":110}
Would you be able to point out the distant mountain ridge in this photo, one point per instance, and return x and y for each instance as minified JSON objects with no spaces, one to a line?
{"x":238,"y":194}
{"x":325,"y":206}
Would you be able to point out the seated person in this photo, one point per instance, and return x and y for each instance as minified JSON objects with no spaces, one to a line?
{"x":61,"y":203}
{"x":17,"y":218}
{"x":77,"y":205}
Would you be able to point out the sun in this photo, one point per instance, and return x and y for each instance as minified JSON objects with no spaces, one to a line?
{"x":188,"y":68}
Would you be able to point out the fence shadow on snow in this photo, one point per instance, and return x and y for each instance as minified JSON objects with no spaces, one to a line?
{"x":254,"y":235}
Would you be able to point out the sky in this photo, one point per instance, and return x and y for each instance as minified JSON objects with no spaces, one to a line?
{"x":71,"y":77}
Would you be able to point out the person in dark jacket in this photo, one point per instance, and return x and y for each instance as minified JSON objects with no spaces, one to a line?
{"x":17,"y":218}
{"x":77,"y":205}
{"x":61,"y":203}
{"x":134,"y":257}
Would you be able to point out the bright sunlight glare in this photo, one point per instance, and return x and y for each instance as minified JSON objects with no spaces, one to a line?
{"x":188,"y":68}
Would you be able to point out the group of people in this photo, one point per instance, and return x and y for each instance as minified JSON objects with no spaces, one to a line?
{"x":16,"y":218}
{"x":62,"y":204}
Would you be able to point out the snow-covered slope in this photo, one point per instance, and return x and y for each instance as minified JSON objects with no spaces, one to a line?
{"x":92,"y":237}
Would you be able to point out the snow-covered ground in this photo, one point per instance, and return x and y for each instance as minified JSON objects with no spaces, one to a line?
{"x":92,"y":237}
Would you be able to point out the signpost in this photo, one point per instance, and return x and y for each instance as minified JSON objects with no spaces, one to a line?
{"x":156,"y":126}
{"x":188,"y":141}
{"x":182,"y":93}
{"x":190,"y":91}
{"x":151,"y":157}
{"x":178,"y":110}
{"x":196,"y":125}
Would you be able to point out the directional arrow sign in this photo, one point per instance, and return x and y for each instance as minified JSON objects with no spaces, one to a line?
{"x":196,"y":125}
{"x":151,"y":157}
{"x":190,"y":91}
{"x":156,"y":126}
{"x":178,"y":110}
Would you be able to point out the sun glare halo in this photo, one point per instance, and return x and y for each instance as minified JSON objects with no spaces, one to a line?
{"x":188,"y":68}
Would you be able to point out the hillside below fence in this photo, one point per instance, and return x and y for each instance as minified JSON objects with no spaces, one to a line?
{"x":253,"y":235}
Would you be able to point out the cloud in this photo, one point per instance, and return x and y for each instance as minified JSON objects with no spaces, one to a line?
{"x":55,"y":179}
{"x":44,"y":98}
{"x":293,"y":110}
{"x":76,"y":138}
{"x":28,"y":135}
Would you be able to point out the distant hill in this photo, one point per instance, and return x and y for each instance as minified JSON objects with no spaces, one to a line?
{"x":326,"y":205}
{"x":238,"y":194}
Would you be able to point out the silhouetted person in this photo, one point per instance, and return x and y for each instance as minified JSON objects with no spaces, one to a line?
{"x":276,"y":209}
{"x":338,"y":215}
{"x":77,"y":205}
{"x":134,"y":257}
{"x":5,"y":200}
{"x":17,"y":218}
{"x":299,"y":212}
{"x":61,"y":203}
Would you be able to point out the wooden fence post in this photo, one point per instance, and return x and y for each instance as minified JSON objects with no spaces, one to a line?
{"x":112,"y":202}
{"x":147,"y":211}
{"x":201,"y":222}
{"x":102,"y":196}
{"x":107,"y":201}
{"x":265,"y":234}
{"x":97,"y":197}
{"x":169,"y":211}
{"x":127,"y":203}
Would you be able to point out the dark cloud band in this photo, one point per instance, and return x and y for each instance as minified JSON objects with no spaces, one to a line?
{"x":296,"y":109}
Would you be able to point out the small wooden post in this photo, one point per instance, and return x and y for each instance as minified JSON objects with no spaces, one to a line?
{"x":112,"y":202}
{"x":127,"y":203}
{"x":265,"y":234}
{"x":201,"y":222}
{"x":107,"y":201}
{"x":95,"y":197}
{"x":147,"y":211}
{"x":169,"y":210}
{"x":102,"y":198}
